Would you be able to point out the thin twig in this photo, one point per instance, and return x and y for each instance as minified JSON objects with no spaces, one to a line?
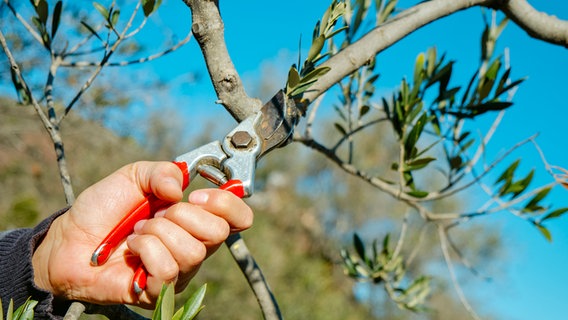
{"x":99,"y":68}
{"x":23,"y":21}
{"x":453,"y":276}
{"x":81,"y":64}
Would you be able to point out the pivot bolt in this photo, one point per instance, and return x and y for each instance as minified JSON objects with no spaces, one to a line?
{"x":241,"y":140}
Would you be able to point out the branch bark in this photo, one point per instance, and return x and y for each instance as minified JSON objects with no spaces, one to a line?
{"x":537,"y":24}
{"x":208,"y":29}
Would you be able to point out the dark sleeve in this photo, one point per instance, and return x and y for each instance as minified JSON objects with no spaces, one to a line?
{"x":16,"y":273}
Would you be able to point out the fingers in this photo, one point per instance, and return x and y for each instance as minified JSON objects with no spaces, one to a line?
{"x":225,"y":205}
{"x":175,"y":242}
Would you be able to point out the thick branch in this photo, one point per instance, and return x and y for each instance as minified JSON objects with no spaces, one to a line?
{"x":208,"y":29}
{"x":359,"y":53}
{"x":537,"y":24}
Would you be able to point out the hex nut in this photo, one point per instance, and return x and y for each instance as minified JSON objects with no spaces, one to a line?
{"x":241,"y":139}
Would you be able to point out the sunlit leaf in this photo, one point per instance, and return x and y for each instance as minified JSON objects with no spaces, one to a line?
{"x":101,"y":9}
{"x":115,"y":16}
{"x":194,"y":304}
{"x":165,"y":300}
{"x":293,"y":79}
{"x":418,"y":67}
{"x":314,"y":74}
{"x":315,"y":49}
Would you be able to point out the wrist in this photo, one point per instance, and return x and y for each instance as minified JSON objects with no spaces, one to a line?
{"x":41,"y":257}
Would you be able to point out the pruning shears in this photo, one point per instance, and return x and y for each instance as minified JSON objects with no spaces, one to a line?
{"x":230,"y":163}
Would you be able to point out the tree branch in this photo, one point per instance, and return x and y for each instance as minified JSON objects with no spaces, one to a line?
{"x":208,"y":29}
{"x":254,"y":276}
{"x":537,"y":24}
{"x":362,"y":51}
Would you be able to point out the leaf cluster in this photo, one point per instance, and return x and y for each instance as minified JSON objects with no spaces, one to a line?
{"x":382,"y":266}
{"x":23,"y":312}
{"x":511,"y":188}
{"x":300,"y":80}
{"x":165,"y":305}
{"x":41,"y":18}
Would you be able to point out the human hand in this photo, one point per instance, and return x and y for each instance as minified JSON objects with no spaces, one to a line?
{"x":172,"y":245}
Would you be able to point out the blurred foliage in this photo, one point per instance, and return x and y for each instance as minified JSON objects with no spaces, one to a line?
{"x":23,"y":312}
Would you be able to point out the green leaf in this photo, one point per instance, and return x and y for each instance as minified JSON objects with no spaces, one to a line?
{"x":115,"y":15}
{"x":101,"y":9}
{"x":364,"y":110}
{"x":414,"y":134}
{"x":359,"y":247}
{"x":544,"y":231}
{"x":508,"y":87}
{"x":315,"y":49}
{"x":431,"y":63}
{"x":508,"y":173}
{"x":91,"y":30}
{"x":340,"y":128}
{"x":555,"y":214}
{"x":10,"y":311}
{"x":26,"y":311}
{"x":417,"y":193}
{"x":386,"y":12}
{"x":193,"y":305}
{"x":168,"y":303}
{"x":314,"y":74}
{"x":150,"y":6}
{"x":418,"y":67}
{"x":56,"y":18}
{"x":293,"y":79}
{"x":164,"y":304}
{"x":42,"y":10}
{"x":533,"y":204}
{"x":417,"y":164}
{"x":442,"y":76}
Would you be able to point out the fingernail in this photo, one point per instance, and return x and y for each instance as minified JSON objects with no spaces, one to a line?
{"x":139,"y":225}
{"x":198,"y":197}
{"x":131,"y":237}
{"x":160,"y":213}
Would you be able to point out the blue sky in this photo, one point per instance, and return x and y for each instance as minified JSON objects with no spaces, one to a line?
{"x":532,"y":282}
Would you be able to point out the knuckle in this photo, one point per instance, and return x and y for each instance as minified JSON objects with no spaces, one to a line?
{"x":169,"y":272}
{"x":196,"y":253}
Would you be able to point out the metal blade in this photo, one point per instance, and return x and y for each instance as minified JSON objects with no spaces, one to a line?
{"x":279,"y":116}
